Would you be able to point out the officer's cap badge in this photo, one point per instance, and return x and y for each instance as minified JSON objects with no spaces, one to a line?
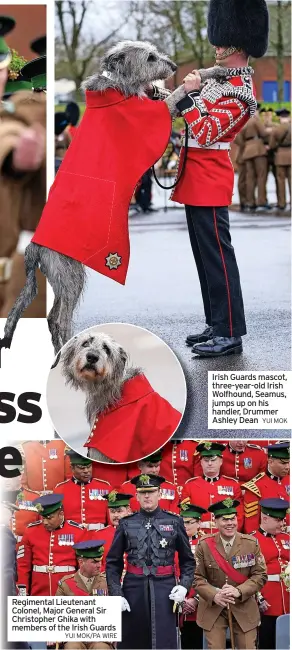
{"x":228,"y":502}
{"x":185,"y":503}
{"x":208,"y":445}
{"x":112,"y":497}
{"x":144,"y":479}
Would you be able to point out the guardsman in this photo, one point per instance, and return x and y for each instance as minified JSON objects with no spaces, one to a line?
{"x":191,"y":633}
{"x":150,"y":538}
{"x":275,"y":547}
{"x":83,"y":495}
{"x":114,"y":474}
{"x":280,"y":144}
{"x":118,"y":507}
{"x":230,"y":570}
{"x":215,"y":112}
{"x":23,"y":179}
{"x":267,"y":115}
{"x":72,"y":112}
{"x":46,"y":552}
{"x":241,"y":171}
{"x":87,"y":581}
{"x":242,"y":460}
{"x":212,"y":486}
{"x":169,"y":498}
{"x":180,"y":462}
{"x":255,"y":156}
{"x":44,"y":464}
{"x":273,"y":484}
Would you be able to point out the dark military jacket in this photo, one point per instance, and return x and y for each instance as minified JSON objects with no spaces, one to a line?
{"x":150,"y":540}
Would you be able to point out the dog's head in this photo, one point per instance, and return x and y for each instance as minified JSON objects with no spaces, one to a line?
{"x":93,"y":359}
{"x":129,"y":59}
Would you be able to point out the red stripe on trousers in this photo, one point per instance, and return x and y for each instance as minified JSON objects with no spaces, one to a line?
{"x":225,"y":273}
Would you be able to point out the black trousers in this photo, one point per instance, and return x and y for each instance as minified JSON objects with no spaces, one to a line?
{"x":267,"y":633}
{"x":217,"y":268}
{"x":191,"y":636}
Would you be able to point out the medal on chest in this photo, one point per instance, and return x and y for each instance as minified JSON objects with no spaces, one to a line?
{"x":99,"y":592}
{"x":166,"y":528}
{"x":286,"y":544}
{"x":97,"y":495}
{"x":243,"y":561}
{"x":225,"y":489}
{"x":66,"y":539}
{"x":167,"y":494}
{"x":247,"y":463}
{"x":53,"y":455}
{"x":183,"y":454}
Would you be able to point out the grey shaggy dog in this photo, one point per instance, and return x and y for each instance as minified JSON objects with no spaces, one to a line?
{"x":131,"y":67}
{"x":99,"y":366}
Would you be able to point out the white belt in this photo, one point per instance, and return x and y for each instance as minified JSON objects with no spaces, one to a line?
{"x":52,"y":569}
{"x":23,"y":241}
{"x":93,"y":526}
{"x":274,"y":578}
{"x":5,"y":269}
{"x":207,"y":524}
{"x":218,"y":145}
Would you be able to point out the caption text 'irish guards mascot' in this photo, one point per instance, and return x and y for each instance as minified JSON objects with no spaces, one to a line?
{"x":150,"y":538}
{"x":237,"y":29}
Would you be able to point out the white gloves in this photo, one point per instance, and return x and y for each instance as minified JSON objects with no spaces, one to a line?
{"x":178,"y":594}
{"x":125,"y":605}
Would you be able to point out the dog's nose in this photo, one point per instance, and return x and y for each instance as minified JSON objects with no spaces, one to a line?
{"x":91,"y":358}
{"x":173,"y":66}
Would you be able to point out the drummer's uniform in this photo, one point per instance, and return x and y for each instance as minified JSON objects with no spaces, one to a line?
{"x":214,"y":116}
{"x":45,"y":464}
{"x":243,"y":465}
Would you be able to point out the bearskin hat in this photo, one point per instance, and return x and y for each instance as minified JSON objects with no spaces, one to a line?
{"x":243,"y":24}
{"x":73,"y":113}
{"x":61,"y":122}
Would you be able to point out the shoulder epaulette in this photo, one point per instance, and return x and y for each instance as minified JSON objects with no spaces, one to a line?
{"x":169,"y":483}
{"x":230,"y":478}
{"x":168,"y":512}
{"x":206,"y":537}
{"x":251,"y":485}
{"x":66,"y":578}
{"x":125,"y":482}
{"x":248,"y":536}
{"x":74,"y":523}
{"x":254,"y":446}
{"x":131,"y":515}
{"x":34,"y":523}
{"x":100,"y":480}
{"x":103,"y":574}
{"x":192,"y":479}
{"x":62,"y":482}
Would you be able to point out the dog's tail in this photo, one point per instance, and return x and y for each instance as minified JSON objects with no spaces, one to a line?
{"x":29,"y":291}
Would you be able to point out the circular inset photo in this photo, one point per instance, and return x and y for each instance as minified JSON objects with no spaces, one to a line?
{"x":116,"y":393}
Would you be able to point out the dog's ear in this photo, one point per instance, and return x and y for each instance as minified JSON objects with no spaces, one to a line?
{"x":57,"y":359}
{"x":112,"y":61}
{"x":123,"y":355}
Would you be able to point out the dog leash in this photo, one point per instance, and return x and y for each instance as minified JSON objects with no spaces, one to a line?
{"x":170,"y":187}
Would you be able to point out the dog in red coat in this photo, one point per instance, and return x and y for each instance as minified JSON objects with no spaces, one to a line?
{"x":128,"y":419}
{"x":85,"y":220}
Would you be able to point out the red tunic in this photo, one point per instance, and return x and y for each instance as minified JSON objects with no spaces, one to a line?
{"x":204,"y":493}
{"x":217,"y":114}
{"x":180,"y":462}
{"x":276,"y":551}
{"x":45,"y":465}
{"x":86,"y":216}
{"x":114,"y":474}
{"x":83,"y":502}
{"x":263,"y":486}
{"x":245,"y":465}
{"x":169,"y":500}
{"x":26,"y":514}
{"x":107,"y":534}
{"x":139,"y":424}
{"x":43,"y":549}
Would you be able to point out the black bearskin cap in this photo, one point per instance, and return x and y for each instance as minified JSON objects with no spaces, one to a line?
{"x":241,"y":23}
{"x":73,"y":113}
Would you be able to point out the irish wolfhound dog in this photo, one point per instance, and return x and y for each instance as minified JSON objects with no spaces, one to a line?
{"x":130,"y":66}
{"x":99,"y":366}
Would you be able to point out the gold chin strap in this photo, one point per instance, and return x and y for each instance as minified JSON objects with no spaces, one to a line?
{"x":229,"y":50}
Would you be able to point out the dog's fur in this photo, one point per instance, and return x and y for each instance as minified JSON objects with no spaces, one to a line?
{"x":130,"y":66}
{"x":99,"y":366}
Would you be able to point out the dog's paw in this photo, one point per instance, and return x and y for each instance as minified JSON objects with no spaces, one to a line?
{"x":5,"y":342}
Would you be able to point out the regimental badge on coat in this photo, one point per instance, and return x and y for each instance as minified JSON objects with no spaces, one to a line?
{"x":113,"y":261}
{"x":166,"y":528}
{"x":66,"y":539}
{"x":225,"y":489}
{"x":286,"y":543}
{"x":247,"y":463}
{"x":183,"y":454}
{"x":163,"y":542}
{"x":167,"y":494}
{"x":243,"y":561}
{"x":53,"y":454}
{"x":97,"y":495}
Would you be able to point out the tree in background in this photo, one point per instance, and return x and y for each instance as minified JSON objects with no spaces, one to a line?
{"x":77,"y":47}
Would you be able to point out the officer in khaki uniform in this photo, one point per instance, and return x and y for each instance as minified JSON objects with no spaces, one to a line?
{"x":87,"y":581}
{"x":280,"y":143}
{"x":230,"y":570}
{"x":22,"y":192}
{"x":255,"y":156}
{"x":241,"y":169}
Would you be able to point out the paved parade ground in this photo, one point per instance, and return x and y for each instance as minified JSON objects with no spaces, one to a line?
{"x":162,"y":293}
